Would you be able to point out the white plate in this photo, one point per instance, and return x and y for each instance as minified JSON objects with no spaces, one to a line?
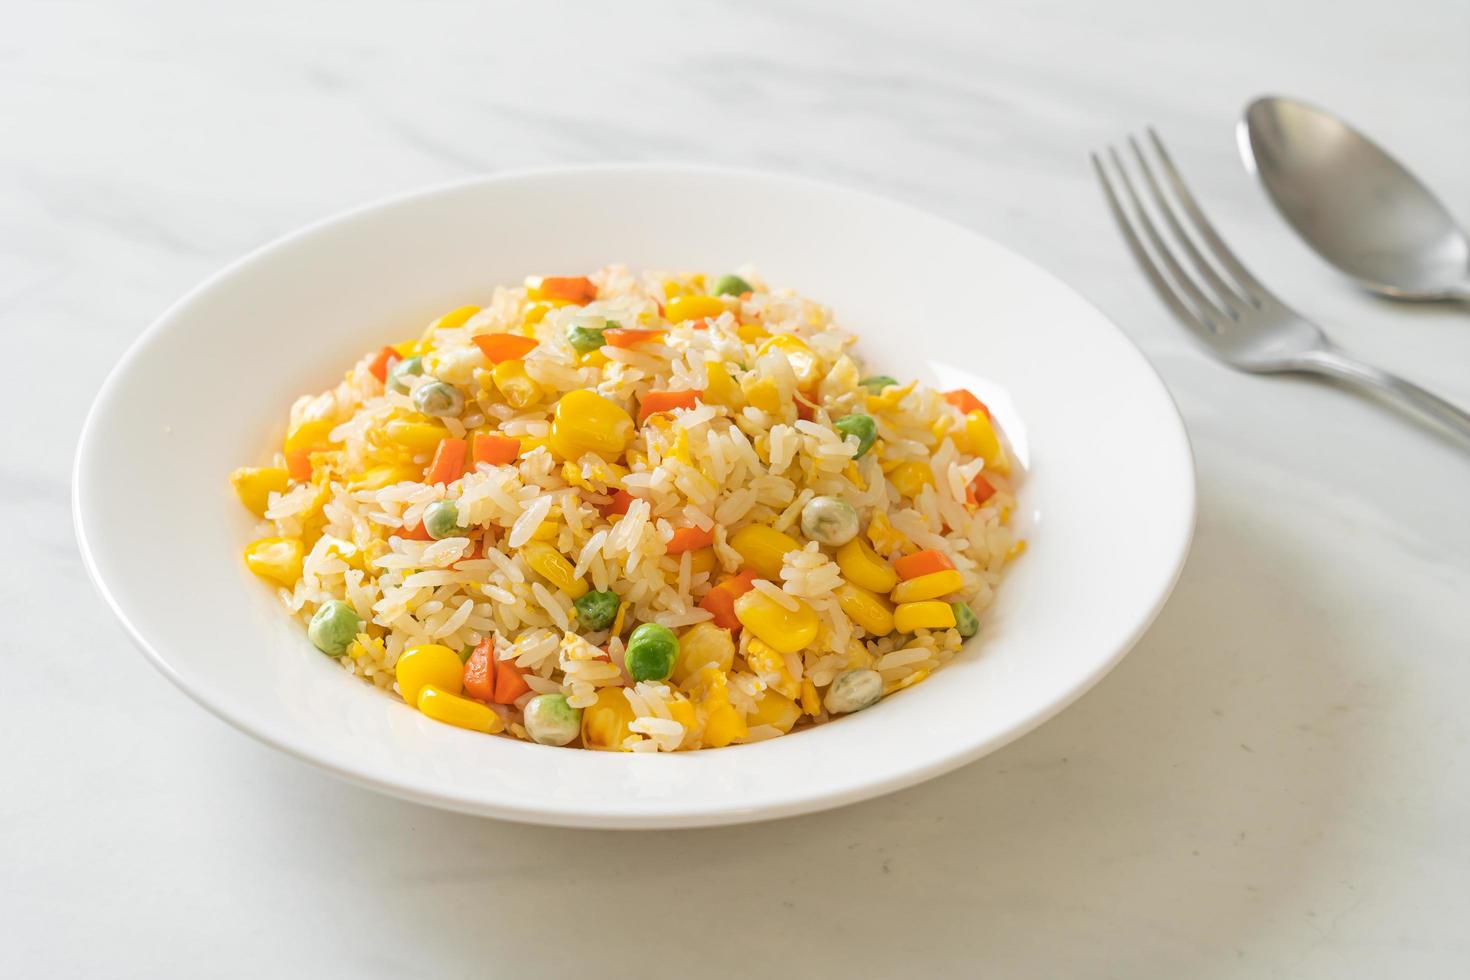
{"x":1108,"y":505}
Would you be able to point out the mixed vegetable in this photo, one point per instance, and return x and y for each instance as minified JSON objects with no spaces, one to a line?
{"x":750,"y":619}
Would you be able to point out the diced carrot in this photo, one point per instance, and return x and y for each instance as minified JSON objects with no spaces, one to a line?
{"x":922,"y":563}
{"x":621,"y":501}
{"x":382,"y":361}
{"x":689,"y":539}
{"x":979,"y":490}
{"x":701,"y":324}
{"x":629,"y":337}
{"x":719,"y":602}
{"x":509,"y":684}
{"x":448,"y":464}
{"x":416,"y":533}
{"x":298,"y":464}
{"x":572,"y":289}
{"x":479,"y":676}
{"x":746,"y":295}
{"x":655,"y":402}
{"x":499,"y":347}
{"x":496,"y":450}
{"x":962,"y":399}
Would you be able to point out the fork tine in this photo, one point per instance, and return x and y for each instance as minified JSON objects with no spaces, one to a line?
{"x":1234,"y":304}
{"x":1140,"y":255}
{"x":1249,"y":284}
{"x":1206,"y":311}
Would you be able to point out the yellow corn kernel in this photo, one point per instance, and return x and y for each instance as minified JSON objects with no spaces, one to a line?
{"x":535,"y":313}
{"x":930,"y":615}
{"x":547,"y":562}
{"x":908,"y":681}
{"x":762,"y":548}
{"x":518,"y":387}
{"x":605,"y":724}
{"x":858,"y":655}
{"x":278,"y":559}
{"x":863,"y":567}
{"x":620,"y":619}
{"x":413,"y":348}
{"x":310,"y":435}
{"x":751,"y":332}
{"x":701,"y":645}
{"x":460,"y":712}
{"x":930,"y":586}
{"x":432,"y":663}
{"x":871,"y":612}
{"x":255,"y":484}
{"x":456,"y":317}
{"x":767,"y":663}
{"x":1017,"y":549}
{"x":979,"y":438}
{"x":787,"y":630}
{"x":378,"y":477}
{"x":775,"y":709}
{"x":720,"y":388}
{"x":682,"y":308}
{"x":585,"y":422}
{"x":811,"y":701}
{"x":703,"y":561}
{"x":418,"y":438}
{"x":762,"y":393}
{"x":911,"y":476}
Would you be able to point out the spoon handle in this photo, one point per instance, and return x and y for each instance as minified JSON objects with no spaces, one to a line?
{"x":1336,"y":364}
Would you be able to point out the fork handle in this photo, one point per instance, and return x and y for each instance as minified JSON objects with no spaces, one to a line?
{"x":1336,"y":364}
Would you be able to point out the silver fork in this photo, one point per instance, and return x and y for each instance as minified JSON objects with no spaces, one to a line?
{"x":1240,"y":321}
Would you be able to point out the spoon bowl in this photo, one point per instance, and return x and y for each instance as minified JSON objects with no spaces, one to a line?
{"x":1358,"y":207}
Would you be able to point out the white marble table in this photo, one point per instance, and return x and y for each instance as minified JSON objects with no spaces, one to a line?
{"x":1274,"y":783}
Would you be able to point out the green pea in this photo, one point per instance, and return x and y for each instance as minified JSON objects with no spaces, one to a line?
{"x":854,"y":690}
{"x":399,"y":372}
{"x":861,"y":426}
{"x":597,"y":610}
{"x":829,"y":520}
{"x":877,"y":383}
{"x":652,"y":650}
{"x":550,"y":720}
{"x":584,"y":340}
{"x":333,"y":627}
{"x":964,"y":619}
{"x":732,"y":285}
{"x":441,"y":519}
{"x":438,"y":399}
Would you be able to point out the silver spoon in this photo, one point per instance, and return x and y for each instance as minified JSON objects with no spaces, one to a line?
{"x":1352,"y":202}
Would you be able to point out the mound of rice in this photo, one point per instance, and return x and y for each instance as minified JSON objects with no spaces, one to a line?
{"x":765,"y":374}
